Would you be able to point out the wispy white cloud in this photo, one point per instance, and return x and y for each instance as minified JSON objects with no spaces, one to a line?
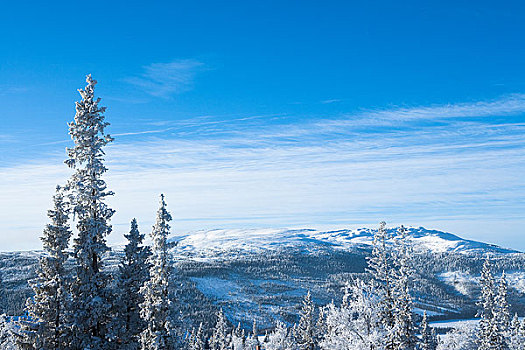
{"x":166,"y":79}
{"x":462,"y":173}
{"x":508,"y":105}
{"x":12,"y":89}
{"x":6,"y":138}
{"x":329,"y":101}
{"x":127,"y":99}
{"x":145,"y":132}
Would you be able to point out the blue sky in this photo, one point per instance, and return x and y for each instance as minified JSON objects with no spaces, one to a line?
{"x":273,"y":113}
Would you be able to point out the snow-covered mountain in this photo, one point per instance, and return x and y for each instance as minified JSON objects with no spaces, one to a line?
{"x":263,"y":274}
{"x":258,"y":240}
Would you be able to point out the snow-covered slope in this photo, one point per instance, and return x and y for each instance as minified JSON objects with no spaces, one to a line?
{"x":257,"y":240}
{"x":263,"y":274}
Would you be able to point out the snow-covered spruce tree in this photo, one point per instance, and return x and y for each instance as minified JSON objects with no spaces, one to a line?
{"x":220,"y":339}
{"x":196,"y":339}
{"x":486,"y":304}
{"x":338,"y":332}
{"x":320,"y":325}
{"x":363,"y":303}
{"x":127,"y":325}
{"x":155,"y":310}
{"x":489,"y":334}
{"x":462,"y":338}
{"x":429,"y":339}
{"x":380,"y":265}
{"x":355,"y":324}
{"x":49,"y":309}
{"x":280,"y":339}
{"x":238,"y":338}
{"x":516,"y":338}
{"x":522,"y":331}
{"x":89,"y":292}
{"x":305,"y":329}
{"x":501,"y":307}
{"x":252,"y":342}
{"x":7,"y":341}
{"x":404,"y":329}
{"x":434,"y":337}
{"x":266,"y":337}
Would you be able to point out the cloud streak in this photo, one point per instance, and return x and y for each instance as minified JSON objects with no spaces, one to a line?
{"x":167,"y":79}
{"x":508,"y":105}
{"x":462,"y":174}
{"x":12,"y":89}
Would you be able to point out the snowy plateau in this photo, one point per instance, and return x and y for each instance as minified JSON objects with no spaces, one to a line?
{"x":263,"y":274}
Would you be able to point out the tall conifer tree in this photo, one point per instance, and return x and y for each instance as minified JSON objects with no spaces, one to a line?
{"x":281,"y":338}
{"x":49,"y":309}
{"x":195,"y":340}
{"x":516,"y":338}
{"x":489,"y":336}
{"x":252,"y":342}
{"x":156,"y":306}
{"x":220,"y":339}
{"x":305,"y":330}
{"x":380,"y":265}
{"x":501,"y":305}
{"x":404,"y":329}
{"x":133,"y":273}
{"x":92,"y":215}
{"x":429,"y":339}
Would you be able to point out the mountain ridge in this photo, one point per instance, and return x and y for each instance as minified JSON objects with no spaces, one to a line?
{"x":263,"y":274}
{"x":216,"y":241}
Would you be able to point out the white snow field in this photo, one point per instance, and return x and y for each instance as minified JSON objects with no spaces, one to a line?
{"x":257,"y":240}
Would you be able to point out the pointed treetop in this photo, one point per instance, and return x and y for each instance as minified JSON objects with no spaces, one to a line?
{"x":88,"y":92}
{"x":382,"y":233}
{"x":162,"y":213}
{"x":88,"y":131}
{"x":424,"y":321}
{"x":134,"y":234}
{"x":90,"y":80}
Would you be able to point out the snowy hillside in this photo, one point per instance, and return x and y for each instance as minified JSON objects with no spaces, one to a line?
{"x":257,"y":240}
{"x":263,"y":274}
